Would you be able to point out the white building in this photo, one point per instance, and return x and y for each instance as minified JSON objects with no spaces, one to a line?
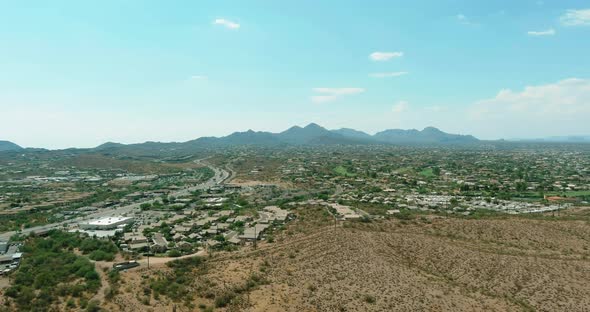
{"x":107,"y":223}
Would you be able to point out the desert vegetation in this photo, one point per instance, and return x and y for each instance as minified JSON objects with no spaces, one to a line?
{"x":57,"y":272}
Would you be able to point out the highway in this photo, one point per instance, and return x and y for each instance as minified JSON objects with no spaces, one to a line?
{"x":219,"y":177}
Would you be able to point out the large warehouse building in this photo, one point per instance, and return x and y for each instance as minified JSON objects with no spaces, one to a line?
{"x":107,"y":223}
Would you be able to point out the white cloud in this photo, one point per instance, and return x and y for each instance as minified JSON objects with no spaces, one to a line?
{"x":387,"y":75}
{"x":576,"y":17}
{"x":227,"y":23}
{"x":548,"y":32}
{"x":435,"y":109}
{"x":198,"y":77}
{"x":559,"y":108}
{"x":464,"y":20}
{"x":384,"y":56}
{"x":339,"y":91}
{"x":400,"y":107}
{"x":331,"y":94}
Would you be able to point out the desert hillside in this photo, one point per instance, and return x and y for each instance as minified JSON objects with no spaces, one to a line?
{"x":425,"y":263}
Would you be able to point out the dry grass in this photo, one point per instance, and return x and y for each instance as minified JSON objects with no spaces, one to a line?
{"x":444,"y":264}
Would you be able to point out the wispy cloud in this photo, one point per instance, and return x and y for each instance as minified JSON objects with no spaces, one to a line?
{"x":569,"y":97}
{"x":400,"y":107}
{"x":331,"y":94}
{"x":198,"y":77}
{"x":435,"y":108}
{"x":384,"y":56}
{"x":576,"y":17}
{"x":227,"y":23}
{"x":564,"y":105}
{"x":548,"y":32}
{"x":463,"y":19}
{"x":387,"y":75}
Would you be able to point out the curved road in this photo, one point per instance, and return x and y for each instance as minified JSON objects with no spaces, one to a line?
{"x":219,"y":177}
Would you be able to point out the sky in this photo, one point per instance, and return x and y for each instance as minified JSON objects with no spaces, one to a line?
{"x":81,"y":73}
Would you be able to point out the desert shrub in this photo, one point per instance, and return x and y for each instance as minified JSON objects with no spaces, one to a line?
{"x":51,"y":270}
{"x":404,"y":215}
{"x":99,"y":255}
{"x":369,"y":299}
{"x":93,"y":306}
{"x":224,"y":299}
{"x":174,"y":253}
{"x":176,"y":285}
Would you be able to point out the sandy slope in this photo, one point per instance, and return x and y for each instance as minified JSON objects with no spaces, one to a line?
{"x":433,"y":264}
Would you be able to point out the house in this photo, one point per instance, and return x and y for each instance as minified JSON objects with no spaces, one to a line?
{"x":160,"y":244}
{"x":195,"y":236}
{"x":253,"y":233}
{"x":138,"y":245}
{"x":232,"y":237}
{"x":181,"y":229}
{"x":276,"y":214}
{"x":134,"y":237}
{"x":178,"y":237}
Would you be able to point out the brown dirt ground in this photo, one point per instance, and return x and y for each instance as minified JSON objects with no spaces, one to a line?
{"x":428,"y":264}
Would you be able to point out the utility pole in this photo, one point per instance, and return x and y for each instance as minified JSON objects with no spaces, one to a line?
{"x":148,"y":254}
{"x":255,"y":237}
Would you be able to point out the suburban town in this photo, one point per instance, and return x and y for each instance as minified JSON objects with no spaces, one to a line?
{"x":295,"y":156}
{"x":146,"y":214}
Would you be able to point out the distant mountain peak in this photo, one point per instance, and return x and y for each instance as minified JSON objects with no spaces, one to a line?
{"x":313,"y":125}
{"x":431,"y":129}
{"x":311,"y":134}
{"x":294,"y":128}
{"x":429,"y":135}
{"x":352,"y":133}
{"x":9,"y":146}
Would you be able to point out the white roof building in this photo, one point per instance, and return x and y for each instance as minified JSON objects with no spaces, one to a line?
{"x":107,"y":223}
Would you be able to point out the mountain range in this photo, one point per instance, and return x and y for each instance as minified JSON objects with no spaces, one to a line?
{"x":312,"y":134}
{"x":9,"y":146}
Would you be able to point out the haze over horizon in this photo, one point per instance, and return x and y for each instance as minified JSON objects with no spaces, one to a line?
{"x":76,"y":74}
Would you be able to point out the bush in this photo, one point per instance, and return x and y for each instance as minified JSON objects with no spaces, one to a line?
{"x":99,"y":255}
{"x":369,"y":299}
{"x":174,"y":253}
{"x":224,"y":299}
{"x":176,"y":284}
{"x":51,"y":270}
{"x":93,"y":306}
{"x":404,"y":215}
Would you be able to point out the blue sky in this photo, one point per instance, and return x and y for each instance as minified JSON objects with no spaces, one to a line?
{"x":79,"y":73}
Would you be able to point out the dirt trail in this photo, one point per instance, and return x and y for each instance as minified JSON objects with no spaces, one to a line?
{"x":159,"y":261}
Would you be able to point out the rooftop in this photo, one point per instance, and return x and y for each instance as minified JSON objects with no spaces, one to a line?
{"x":108,"y":220}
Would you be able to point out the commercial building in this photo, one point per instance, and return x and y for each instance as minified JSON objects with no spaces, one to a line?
{"x":107,"y":223}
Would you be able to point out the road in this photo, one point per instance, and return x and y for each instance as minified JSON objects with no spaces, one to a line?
{"x":219,"y":177}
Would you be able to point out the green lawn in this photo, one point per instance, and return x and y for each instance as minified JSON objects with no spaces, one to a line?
{"x":343,"y":172}
{"x":427,"y":173}
{"x":405,"y":170}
